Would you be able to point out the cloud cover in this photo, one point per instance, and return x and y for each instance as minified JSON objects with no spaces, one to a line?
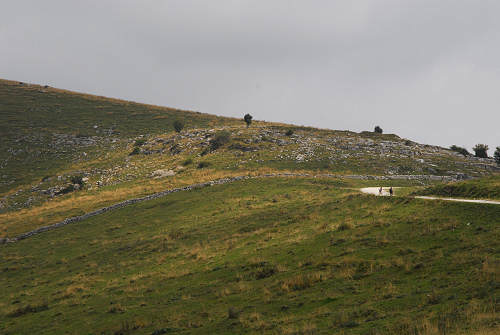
{"x":426,"y":70}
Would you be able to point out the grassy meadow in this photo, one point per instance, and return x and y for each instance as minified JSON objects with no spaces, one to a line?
{"x":482,"y":188}
{"x":277,"y":256}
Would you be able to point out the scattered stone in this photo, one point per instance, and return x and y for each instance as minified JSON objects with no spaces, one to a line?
{"x":163,"y":173}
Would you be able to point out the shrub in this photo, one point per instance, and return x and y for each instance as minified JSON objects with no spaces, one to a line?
{"x":139,"y":142}
{"x":378,"y":130}
{"x":345,"y":226}
{"x":248,"y":119}
{"x":178,"y":125}
{"x":136,"y":151}
{"x":67,"y":189}
{"x":460,"y":150}
{"x":77,"y":180}
{"x":232,"y":313}
{"x":481,"y":150}
{"x":289,"y":132}
{"x":496,"y":155}
{"x":202,"y":165}
{"x":220,"y":139}
{"x":187,"y":162}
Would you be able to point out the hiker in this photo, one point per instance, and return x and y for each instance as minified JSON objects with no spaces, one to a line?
{"x":391,"y":191}
{"x":380,"y":191}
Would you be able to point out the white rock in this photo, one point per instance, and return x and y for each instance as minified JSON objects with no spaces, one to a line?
{"x":163,"y":173}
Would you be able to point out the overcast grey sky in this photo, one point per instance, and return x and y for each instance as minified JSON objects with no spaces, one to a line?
{"x":425,"y":70}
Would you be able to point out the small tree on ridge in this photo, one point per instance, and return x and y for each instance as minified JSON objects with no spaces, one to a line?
{"x":481,"y":150}
{"x":496,"y":155}
{"x":248,"y":119}
{"x":378,"y":130}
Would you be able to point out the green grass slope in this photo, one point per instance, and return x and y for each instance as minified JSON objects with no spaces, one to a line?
{"x":482,"y":188}
{"x":273,"y":256}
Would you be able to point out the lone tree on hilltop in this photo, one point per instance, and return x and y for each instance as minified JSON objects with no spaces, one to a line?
{"x":248,"y":119}
{"x":481,"y":150}
{"x":178,"y":125}
{"x":378,"y":130}
{"x":496,"y":155}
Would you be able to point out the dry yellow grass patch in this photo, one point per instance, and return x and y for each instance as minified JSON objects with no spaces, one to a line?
{"x":301,"y":282}
{"x":307,"y":328}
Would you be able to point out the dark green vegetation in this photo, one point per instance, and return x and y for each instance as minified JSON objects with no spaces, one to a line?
{"x":248,"y":119}
{"x":482,"y":188}
{"x":293,"y":256}
{"x":460,"y":150}
{"x":178,"y":125}
{"x":481,"y":150}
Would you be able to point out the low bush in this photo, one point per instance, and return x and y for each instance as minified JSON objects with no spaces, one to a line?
{"x":136,"y":151}
{"x":139,"y":142}
{"x":187,"y":162}
{"x":220,"y":139}
{"x":77,"y":180}
{"x":202,"y":165}
{"x":232,"y":313}
{"x":178,"y":125}
{"x":289,"y":132}
{"x":67,"y":189}
{"x":460,"y":150}
{"x":345,"y":226}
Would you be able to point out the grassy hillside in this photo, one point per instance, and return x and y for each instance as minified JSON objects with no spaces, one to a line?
{"x":483,"y":188}
{"x":45,"y":129}
{"x":277,"y":255}
{"x":287,"y":256}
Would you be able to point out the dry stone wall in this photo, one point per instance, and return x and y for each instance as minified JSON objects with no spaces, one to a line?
{"x":76,"y":219}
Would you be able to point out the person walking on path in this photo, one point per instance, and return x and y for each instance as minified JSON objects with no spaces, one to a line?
{"x":380,"y":191}
{"x":391,"y":192}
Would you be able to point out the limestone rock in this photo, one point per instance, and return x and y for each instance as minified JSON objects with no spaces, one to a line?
{"x":163,"y":173}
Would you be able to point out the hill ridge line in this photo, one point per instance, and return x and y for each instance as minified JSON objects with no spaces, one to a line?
{"x":220,"y":181}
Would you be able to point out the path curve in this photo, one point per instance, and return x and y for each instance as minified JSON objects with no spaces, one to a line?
{"x":227,"y":180}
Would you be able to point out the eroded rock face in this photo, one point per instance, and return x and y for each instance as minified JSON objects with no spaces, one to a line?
{"x":163,"y":173}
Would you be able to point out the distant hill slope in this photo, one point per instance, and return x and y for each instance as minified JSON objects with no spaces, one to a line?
{"x":28,"y":108}
{"x":40,"y":127}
